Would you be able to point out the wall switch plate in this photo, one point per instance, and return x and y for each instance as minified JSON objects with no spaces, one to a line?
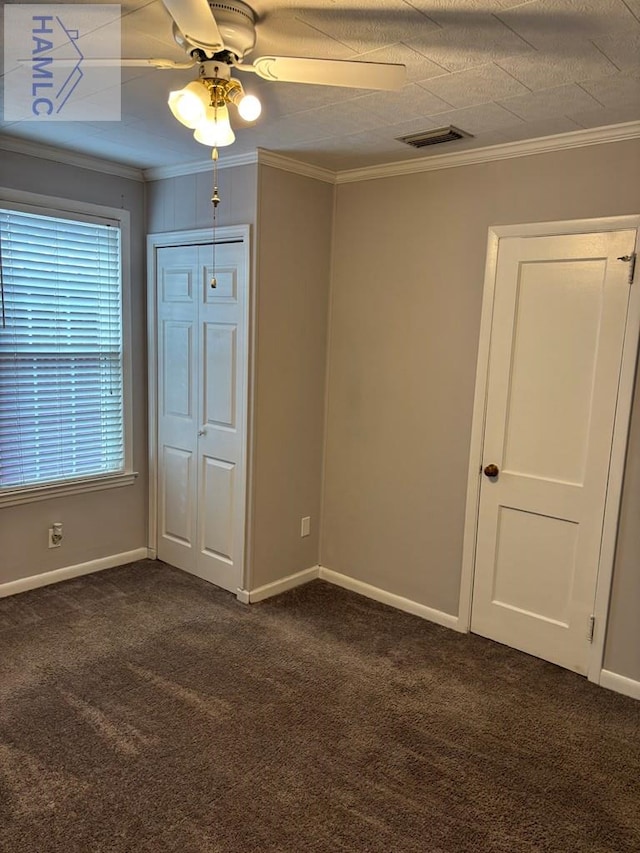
{"x":305,"y":526}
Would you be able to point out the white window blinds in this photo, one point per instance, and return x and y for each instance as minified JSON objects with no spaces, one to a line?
{"x":61,"y":364}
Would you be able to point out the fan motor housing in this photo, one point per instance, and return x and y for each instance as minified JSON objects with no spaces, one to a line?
{"x":236,"y":22}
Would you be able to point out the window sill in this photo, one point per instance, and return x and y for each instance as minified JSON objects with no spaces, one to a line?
{"x":29,"y":494}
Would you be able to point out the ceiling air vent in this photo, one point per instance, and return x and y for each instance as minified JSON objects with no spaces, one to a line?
{"x":434,"y":137}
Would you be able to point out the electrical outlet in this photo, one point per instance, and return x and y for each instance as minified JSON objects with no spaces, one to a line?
{"x":305,"y":526}
{"x":55,"y":535}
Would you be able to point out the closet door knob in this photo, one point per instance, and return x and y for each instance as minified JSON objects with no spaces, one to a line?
{"x":491,"y":470}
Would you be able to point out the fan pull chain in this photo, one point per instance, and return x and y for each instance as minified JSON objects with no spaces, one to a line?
{"x":215,"y":201}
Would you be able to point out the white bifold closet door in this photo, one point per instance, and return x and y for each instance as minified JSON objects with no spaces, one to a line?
{"x":202,"y":410}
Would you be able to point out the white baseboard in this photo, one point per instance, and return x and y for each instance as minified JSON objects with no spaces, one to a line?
{"x":57,"y":575}
{"x":620,"y":683}
{"x":346,"y":582}
{"x":275,"y":588}
{"x":390,"y":598}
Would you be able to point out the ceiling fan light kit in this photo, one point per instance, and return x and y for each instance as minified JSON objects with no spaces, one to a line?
{"x":218,"y":35}
{"x":202,"y":105}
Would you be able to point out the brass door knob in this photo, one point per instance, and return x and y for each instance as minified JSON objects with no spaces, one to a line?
{"x":491,"y":470}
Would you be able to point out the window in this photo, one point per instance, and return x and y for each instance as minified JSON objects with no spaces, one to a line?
{"x":62,"y":371}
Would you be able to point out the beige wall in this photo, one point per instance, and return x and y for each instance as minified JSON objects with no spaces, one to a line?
{"x":97,"y":524}
{"x":407,"y":282}
{"x":293,"y":254}
{"x":182,"y":203}
{"x":623,"y":638}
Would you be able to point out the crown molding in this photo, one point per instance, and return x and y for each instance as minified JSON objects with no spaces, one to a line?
{"x":69,"y":158}
{"x":506,"y":151}
{"x":288,"y":164}
{"x":260,"y":155}
{"x":194,"y":167}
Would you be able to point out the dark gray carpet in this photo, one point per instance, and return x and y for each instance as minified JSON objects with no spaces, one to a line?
{"x":143,"y":710}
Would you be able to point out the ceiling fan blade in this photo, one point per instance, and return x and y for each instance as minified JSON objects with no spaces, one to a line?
{"x":119,"y":62}
{"x":154,"y":62}
{"x":330,"y":72}
{"x":195,"y":21}
{"x":151,"y":62}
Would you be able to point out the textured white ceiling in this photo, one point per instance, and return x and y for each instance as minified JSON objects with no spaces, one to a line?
{"x":501,"y":70}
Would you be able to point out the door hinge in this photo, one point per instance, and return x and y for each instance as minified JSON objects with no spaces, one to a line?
{"x":591,"y":628}
{"x":631,"y":260}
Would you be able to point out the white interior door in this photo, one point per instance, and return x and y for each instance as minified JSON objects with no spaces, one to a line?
{"x":557,"y":335}
{"x":202,"y":390}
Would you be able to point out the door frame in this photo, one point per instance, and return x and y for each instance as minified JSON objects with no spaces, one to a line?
{"x":620,"y":432}
{"x":171,"y":239}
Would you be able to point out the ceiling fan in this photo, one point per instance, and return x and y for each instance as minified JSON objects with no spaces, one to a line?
{"x":217,"y":36}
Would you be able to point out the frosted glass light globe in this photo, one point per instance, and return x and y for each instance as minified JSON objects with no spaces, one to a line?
{"x":188,"y":105}
{"x":215,"y":130}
